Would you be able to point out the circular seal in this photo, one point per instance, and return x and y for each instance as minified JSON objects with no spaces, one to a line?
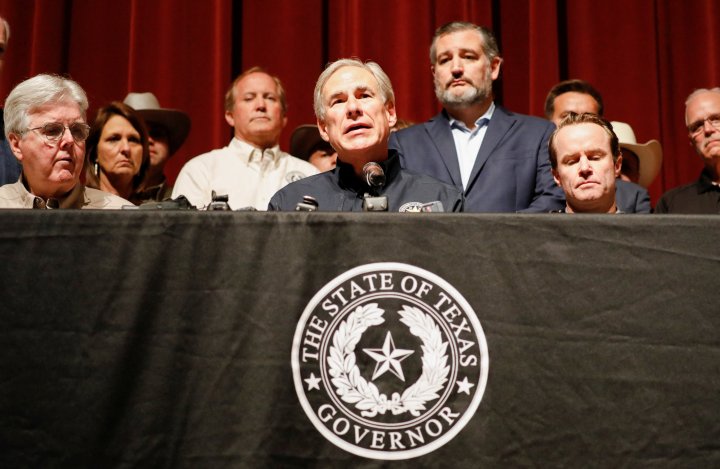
{"x":411,"y":207}
{"x":389,"y":361}
{"x":293,"y":176}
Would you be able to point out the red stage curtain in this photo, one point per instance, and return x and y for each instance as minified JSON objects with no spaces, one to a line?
{"x":645,"y":56}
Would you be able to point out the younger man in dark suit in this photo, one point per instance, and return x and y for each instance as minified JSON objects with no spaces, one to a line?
{"x":586,"y":160}
{"x":579,"y":96}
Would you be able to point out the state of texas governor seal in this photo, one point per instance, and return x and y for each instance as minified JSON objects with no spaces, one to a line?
{"x":389,"y":361}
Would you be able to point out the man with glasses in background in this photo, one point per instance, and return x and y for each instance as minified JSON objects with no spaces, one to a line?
{"x":46,"y":127}
{"x":702,"y":116}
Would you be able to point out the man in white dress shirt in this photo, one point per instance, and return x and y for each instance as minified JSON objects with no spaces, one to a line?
{"x":251,"y":168}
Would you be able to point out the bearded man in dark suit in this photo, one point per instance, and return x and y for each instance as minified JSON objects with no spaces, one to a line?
{"x":499,"y":159}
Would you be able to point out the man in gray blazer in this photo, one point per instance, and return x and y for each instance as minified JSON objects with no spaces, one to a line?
{"x":499,"y":159}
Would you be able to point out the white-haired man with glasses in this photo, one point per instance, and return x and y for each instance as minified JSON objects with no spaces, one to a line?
{"x":702,"y":117}
{"x":46,"y":127}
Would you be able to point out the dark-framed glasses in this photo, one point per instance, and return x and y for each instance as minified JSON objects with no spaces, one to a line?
{"x":53,"y":131}
{"x":697,"y":127}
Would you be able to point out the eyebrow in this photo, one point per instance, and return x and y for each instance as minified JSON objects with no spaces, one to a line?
{"x":335,"y":95}
{"x":343,"y":92}
{"x":714,"y":115}
{"x":462,"y":50}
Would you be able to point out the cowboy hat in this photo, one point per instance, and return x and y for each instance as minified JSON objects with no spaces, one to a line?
{"x":304,"y":140}
{"x":649,"y":154}
{"x":177,"y":123}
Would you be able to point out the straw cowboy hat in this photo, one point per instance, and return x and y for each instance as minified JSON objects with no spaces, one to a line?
{"x":650,"y":153}
{"x":177,"y":123}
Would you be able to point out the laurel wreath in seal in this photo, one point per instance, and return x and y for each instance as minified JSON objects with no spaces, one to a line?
{"x":354,"y":389}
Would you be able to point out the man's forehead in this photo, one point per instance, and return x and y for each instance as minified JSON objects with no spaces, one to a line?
{"x":703,"y":103}
{"x":577,"y":100}
{"x":66,"y":107}
{"x":349,"y":78}
{"x":256,"y":81}
{"x":584,"y":134}
{"x":468,"y":39}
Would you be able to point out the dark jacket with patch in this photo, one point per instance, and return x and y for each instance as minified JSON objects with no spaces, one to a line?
{"x":340,"y":190}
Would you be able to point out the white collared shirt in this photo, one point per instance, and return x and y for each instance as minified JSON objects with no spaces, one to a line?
{"x":467,"y":142}
{"x":247,"y":175}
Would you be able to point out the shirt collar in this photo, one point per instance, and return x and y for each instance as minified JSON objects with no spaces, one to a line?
{"x":253,"y":153}
{"x":705,"y":183}
{"x":73,"y":199}
{"x":479,"y":123}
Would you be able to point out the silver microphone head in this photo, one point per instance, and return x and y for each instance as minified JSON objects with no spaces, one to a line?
{"x":374,"y":174}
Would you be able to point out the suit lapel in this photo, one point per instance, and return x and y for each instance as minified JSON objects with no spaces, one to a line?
{"x":441,"y":135}
{"x":499,"y":125}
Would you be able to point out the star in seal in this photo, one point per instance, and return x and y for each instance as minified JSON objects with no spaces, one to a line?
{"x":464,"y":386}
{"x":313,"y":382}
{"x":388,"y":358}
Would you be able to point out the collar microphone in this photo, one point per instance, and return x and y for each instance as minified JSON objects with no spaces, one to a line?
{"x":374,"y":175}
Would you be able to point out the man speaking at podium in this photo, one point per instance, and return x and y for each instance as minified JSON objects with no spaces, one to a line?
{"x":355,"y":108}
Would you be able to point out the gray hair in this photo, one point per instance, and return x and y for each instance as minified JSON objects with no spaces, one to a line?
{"x":38,"y":91}
{"x":700,"y":91}
{"x":385,"y":87}
{"x":489,"y":43}
{"x":697,"y":92}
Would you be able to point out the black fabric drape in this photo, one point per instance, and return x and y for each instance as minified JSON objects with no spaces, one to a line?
{"x":164,"y":340}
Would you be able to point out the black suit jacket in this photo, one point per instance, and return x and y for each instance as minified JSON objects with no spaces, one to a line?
{"x":512,"y":169}
{"x":631,"y":197}
{"x":340,"y":190}
{"x":10,"y":167}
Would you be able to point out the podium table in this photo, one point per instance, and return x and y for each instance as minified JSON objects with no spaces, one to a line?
{"x":164,"y":339}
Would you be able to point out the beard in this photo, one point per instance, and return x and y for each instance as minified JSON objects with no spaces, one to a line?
{"x":472,"y":95}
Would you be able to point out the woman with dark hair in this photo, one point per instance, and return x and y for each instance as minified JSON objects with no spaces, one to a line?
{"x":117,"y":151}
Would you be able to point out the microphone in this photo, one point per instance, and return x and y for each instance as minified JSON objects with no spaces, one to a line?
{"x":308,"y":204}
{"x":375,"y":178}
{"x":218,"y":202}
{"x":434,"y":206}
{"x":374,"y":175}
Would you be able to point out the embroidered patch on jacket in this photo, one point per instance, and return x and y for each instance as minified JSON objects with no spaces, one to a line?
{"x":293,"y":176}
{"x":411,"y":207}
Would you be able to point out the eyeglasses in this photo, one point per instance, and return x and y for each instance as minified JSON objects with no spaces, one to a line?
{"x":696,"y":127}
{"x":53,"y":131}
